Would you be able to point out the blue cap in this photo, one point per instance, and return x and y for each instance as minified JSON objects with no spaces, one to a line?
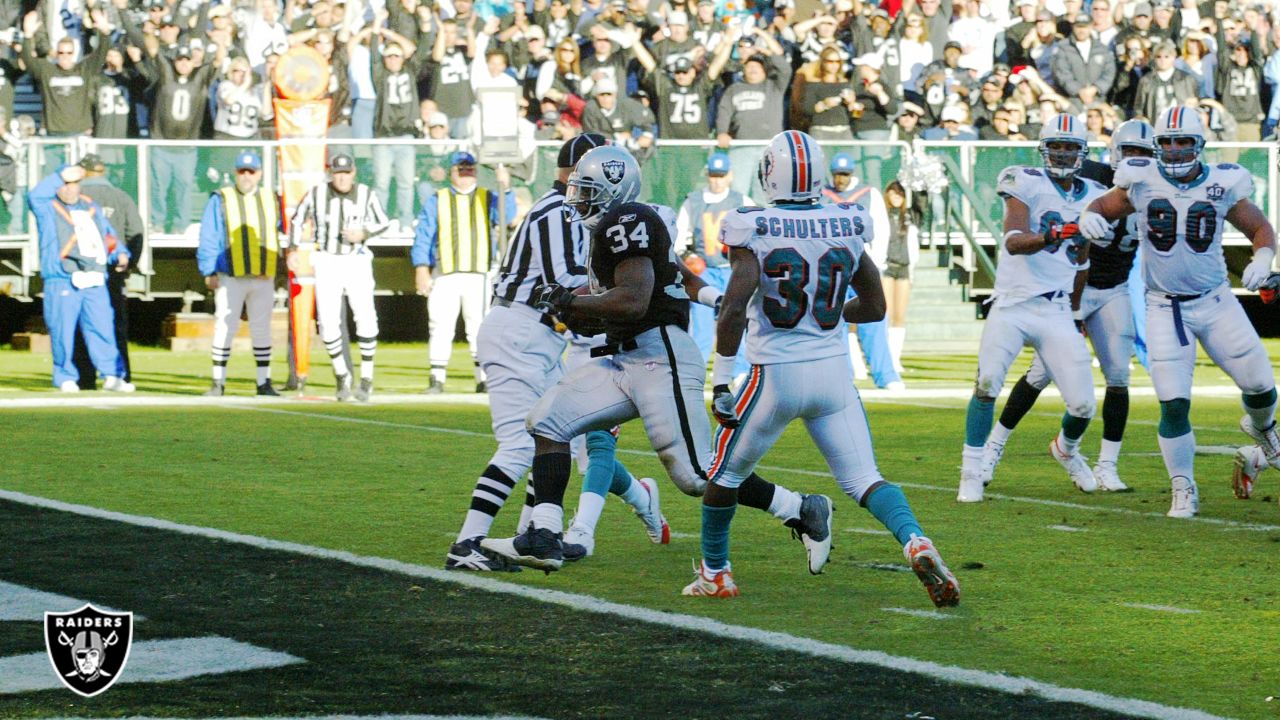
{"x":718,"y":164}
{"x":248,"y":160}
{"x":842,"y":163}
{"x":461,"y":157}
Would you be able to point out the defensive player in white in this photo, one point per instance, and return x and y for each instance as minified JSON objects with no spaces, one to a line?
{"x":792,"y":264}
{"x":1039,"y":280}
{"x":1107,"y":318}
{"x":1182,"y":204}
{"x":654,"y":370}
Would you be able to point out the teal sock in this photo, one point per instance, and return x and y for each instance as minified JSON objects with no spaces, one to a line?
{"x":1175,"y":418}
{"x":600,"y":463}
{"x":1261,"y":408}
{"x":887,"y":503}
{"x":621,"y":479}
{"x":1073,"y":427}
{"x":977,"y":422}
{"x":715,"y":535}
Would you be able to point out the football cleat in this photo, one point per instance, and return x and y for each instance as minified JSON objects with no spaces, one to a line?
{"x":971,"y":487}
{"x":467,"y":555}
{"x":1266,"y":439}
{"x":1076,"y":465}
{"x":215,"y":390}
{"x":365,"y":391}
{"x":1109,"y":478}
{"x":991,"y":454}
{"x":1251,"y":460}
{"x":69,"y":386}
{"x":536,"y":548}
{"x":265,"y":390}
{"x":1186,"y":498}
{"x":813,"y":528}
{"x":578,"y":544}
{"x":343,"y":390}
{"x":117,"y":384}
{"x":435,"y":388}
{"x":655,"y":524}
{"x":711,"y":583}
{"x":942,"y":586}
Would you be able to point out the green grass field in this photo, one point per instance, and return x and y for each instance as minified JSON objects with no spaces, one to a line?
{"x":1099,"y":593}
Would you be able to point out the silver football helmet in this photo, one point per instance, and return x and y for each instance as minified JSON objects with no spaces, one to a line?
{"x":1063,"y":128}
{"x":1178,"y":122}
{"x":605,"y":178}
{"x":792,"y":168}
{"x":1135,"y":136}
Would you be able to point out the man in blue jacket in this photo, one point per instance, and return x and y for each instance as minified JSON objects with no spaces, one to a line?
{"x":77,"y":243}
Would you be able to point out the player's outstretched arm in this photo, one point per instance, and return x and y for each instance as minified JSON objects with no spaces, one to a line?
{"x":1095,"y":222}
{"x":1018,"y":237}
{"x":869,"y":306}
{"x":628,"y":299}
{"x":1249,"y":219}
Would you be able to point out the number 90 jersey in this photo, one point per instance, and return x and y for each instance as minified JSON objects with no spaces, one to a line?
{"x":1022,"y":277}
{"x":1182,"y":223}
{"x":807,"y":257}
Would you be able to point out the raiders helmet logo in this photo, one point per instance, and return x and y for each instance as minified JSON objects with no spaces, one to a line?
{"x":614,"y":170}
{"x":88,"y":648}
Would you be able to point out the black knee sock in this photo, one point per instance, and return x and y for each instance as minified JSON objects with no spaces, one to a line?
{"x":756,"y":492}
{"x":551,"y":477}
{"x":1115,"y":413}
{"x":1021,"y":399}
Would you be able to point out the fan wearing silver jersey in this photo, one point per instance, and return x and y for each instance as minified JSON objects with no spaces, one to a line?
{"x":792,"y":264}
{"x":654,"y":371}
{"x":1044,"y":263}
{"x":1181,"y":204}
{"x":1105,"y":315}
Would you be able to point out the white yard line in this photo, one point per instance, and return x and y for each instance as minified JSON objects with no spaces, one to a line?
{"x":930,"y":614}
{"x":782,"y":641}
{"x":867,"y":531}
{"x":1066,"y":528}
{"x":1162,"y":608}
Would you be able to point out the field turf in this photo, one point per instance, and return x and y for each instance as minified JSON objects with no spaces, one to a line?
{"x":1100,"y":593}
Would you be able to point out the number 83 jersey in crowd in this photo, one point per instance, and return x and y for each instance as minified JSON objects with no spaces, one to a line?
{"x":1182,"y":222}
{"x":807,"y":255}
{"x":1022,"y":277}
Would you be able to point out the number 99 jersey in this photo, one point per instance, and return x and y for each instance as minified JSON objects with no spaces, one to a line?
{"x":1182,"y":223}
{"x":807,"y":257}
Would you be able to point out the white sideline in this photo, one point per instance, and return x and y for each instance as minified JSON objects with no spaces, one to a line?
{"x":782,"y":641}
{"x":343,"y":717}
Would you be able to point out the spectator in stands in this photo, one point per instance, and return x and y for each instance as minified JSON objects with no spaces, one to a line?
{"x":557,"y":18}
{"x":1134,"y":62}
{"x":1014,"y":52}
{"x":1165,"y":86}
{"x":678,"y":43}
{"x":906,"y":127}
{"x":1239,"y":87}
{"x":1139,"y":25}
{"x":339,"y":91}
{"x":77,"y":244}
{"x":1218,"y":124}
{"x":816,"y":35}
{"x":1199,"y":61}
{"x":1083,"y":68}
{"x":115,"y":89}
{"x":621,"y":119}
{"x":395,"y":61}
{"x":239,"y":102}
{"x":937,"y":18}
{"x":451,"y":56}
{"x":953,"y":127}
{"x":603,"y":62}
{"x":1165,"y":24}
{"x":1096,"y":124}
{"x":879,"y":42}
{"x":683,"y":94}
{"x":1000,"y":127}
{"x":560,"y":79}
{"x":121,"y":211}
{"x":264,"y":32}
{"x":705,"y":26}
{"x":1037,"y":46}
{"x":975,"y":31}
{"x":829,"y":100}
{"x":872,"y":113}
{"x":1103,"y":24}
{"x":67,"y":84}
{"x":751,"y":109}
{"x":915,"y":52}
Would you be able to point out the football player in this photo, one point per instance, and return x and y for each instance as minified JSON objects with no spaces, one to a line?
{"x":1181,"y":205}
{"x":1043,"y":266}
{"x":654,"y":371}
{"x":791,"y":266}
{"x":1107,"y":318}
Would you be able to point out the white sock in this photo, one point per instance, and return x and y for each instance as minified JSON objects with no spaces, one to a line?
{"x":1179,"y":455}
{"x":897,"y":338}
{"x":855,"y":354}
{"x":438,"y":374}
{"x":1110,"y":452}
{"x":999,"y":434}
{"x":340,"y":365}
{"x":590,"y":505}
{"x":220,"y":373}
{"x":264,"y":374}
{"x":526,"y":510}
{"x":1069,"y":446}
{"x":366,"y":369}
{"x":636,"y":495}
{"x":971,"y":459}
{"x":548,"y":516}
{"x":786,"y":504}
{"x":477,"y":524}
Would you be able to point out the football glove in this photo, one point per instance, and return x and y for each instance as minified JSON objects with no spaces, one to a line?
{"x":723,"y":406}
{"x":1093,"y":226}
{"x":1268,"y":290}
{"x":1059,"y":233}
{"x":552,"y":298}
{"x":1259,"y":269}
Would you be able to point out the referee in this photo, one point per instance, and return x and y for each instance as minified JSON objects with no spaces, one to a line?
{"x":339,"y":217}
{"x":519,"y":349}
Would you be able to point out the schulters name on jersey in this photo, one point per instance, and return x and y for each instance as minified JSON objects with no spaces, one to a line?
{"x":801,"y":228}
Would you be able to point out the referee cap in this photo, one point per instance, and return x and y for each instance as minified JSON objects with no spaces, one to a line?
{"x":341,"y":163}
{"x":574,"y":148}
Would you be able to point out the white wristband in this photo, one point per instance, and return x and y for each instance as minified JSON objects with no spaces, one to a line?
{"x":708,"y":296}
{"x":722,"y":369}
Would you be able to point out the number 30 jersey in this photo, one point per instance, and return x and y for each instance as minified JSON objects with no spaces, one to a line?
{"x":1022,"y":277}
{"x":807,"y":257}
{"x":1182,"y":223}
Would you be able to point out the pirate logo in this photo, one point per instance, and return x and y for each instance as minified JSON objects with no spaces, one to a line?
{"x":88,"y":648}
{"x":614,"y":170}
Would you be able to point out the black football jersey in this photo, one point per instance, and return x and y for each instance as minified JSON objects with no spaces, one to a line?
{"x":1111,"y":258}
{"x":637,"y":230}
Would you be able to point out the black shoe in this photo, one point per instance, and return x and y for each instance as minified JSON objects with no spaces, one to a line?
{"x":215,"y":390}
{"x":468,"y":555}
{"x":813,"y":528}
{"x":480,"y":388}
{"x":265,"y":390}
{"x":536,"y":548}
{"x":573,"y":552}
{"x":435,"y":388}
{"x":343,"y":392}
{"x":365,"y":391}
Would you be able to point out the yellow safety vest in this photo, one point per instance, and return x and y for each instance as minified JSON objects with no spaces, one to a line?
{"x":252,"y":236}
{"x":463,"y":235}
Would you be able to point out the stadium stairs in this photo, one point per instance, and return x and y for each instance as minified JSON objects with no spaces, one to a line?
{"x":940,"y":319}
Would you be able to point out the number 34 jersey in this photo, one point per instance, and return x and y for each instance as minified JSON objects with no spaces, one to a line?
{"x":638,"y":230}
{"x":807,"y":256}
{"x":1182,"y":223}
{"x":1022,"y":277}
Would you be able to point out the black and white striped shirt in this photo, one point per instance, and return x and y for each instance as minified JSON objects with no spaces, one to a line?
{"x":547,"y":248}
{"x":358,"y":208}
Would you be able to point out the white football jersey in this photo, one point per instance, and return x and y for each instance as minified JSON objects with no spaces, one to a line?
{"x":1182,"y":223}
{"x":807,"y":258}
{"x":1022,"y":277}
